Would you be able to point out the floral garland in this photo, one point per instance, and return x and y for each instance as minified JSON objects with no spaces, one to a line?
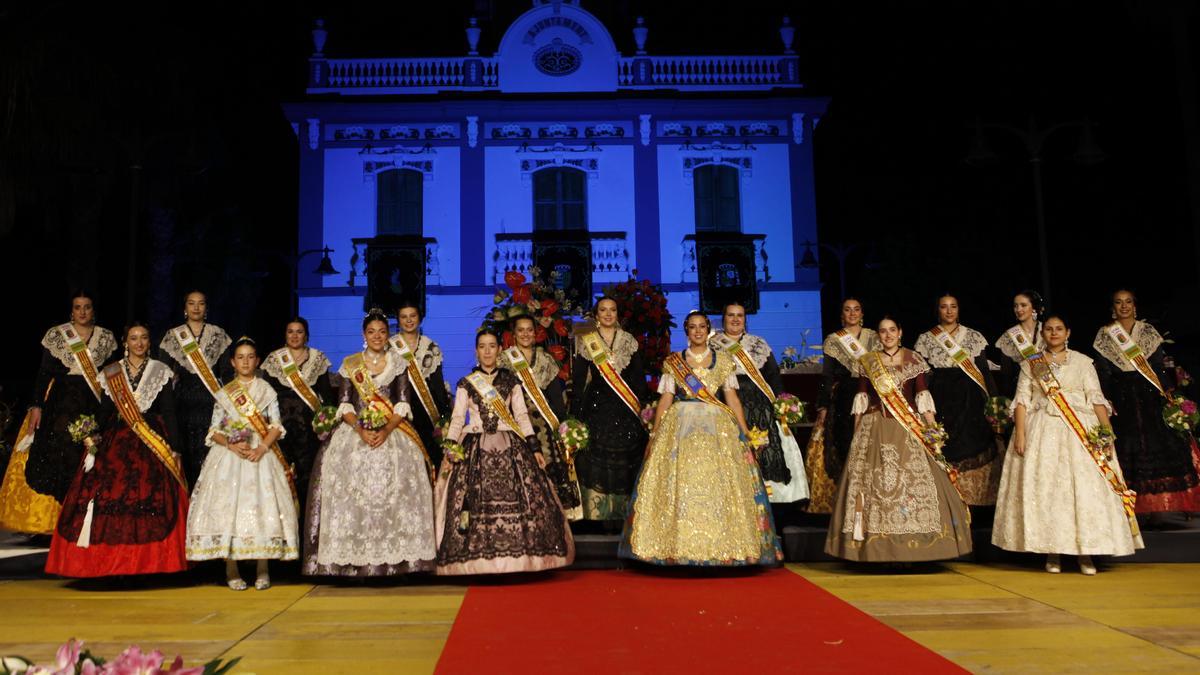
{"x":548,"y":306}
{"x":642,"y":311}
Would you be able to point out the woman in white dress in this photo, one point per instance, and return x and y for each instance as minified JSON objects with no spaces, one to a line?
{"x":370,"y":506}
{"x":244,"y":504}
{"x":1055,"y":496}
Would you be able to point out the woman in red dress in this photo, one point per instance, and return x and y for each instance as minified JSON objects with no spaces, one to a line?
{"x":126,"y":510}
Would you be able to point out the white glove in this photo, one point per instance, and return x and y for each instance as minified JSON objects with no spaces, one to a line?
{"x":89,"y":461}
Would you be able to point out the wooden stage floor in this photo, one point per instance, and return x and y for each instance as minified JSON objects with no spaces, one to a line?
{"x":996,"y":618}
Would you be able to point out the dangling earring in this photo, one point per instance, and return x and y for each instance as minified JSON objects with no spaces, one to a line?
{"x":364,"y":344}
{"x":127,"y":353}
{"x":1135,"y":313}
{"x":1034,"y":313}
{"x":1114,"y":314}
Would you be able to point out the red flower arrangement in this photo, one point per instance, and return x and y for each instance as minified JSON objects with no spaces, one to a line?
{"x":549,"y":307}
{"x":642,"y":308}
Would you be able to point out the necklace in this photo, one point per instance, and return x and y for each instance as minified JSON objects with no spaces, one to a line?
{"x":892,"y":355}
{"x":702,"y":357}
{"x":373,"y":360}
{"x":131,"y":372}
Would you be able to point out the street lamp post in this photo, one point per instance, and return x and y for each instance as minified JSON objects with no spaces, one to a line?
{"x":839,"y":251}
{"x":1034,"y":138}
{"x":325,"y":268}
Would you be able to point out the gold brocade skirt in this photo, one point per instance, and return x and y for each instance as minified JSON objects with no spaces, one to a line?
{"x":894,"y":503}
{"x":21,"y":508}
{"x":700,"y":498}
{"x":821,"y":487}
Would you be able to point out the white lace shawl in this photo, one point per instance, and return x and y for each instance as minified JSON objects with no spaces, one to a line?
{"x":869,"y":340}
{"x":155,"y":375}
{"x":1077,"y":377}
{"x":755,"y":347}
{"x":213,"y":343}
{"x":100,"y":345}
{"x":1143,"y":334}
{"x":316,"y":365}
{"x":929,"y":347}
{"x":428,"y":354}
{"x":543,"y":366}
{"x":623,"y":347}
{"x":265,"y":399}
{"x":1009,"y":348}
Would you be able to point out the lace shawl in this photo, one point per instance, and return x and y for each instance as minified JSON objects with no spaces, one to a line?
{"x":213,"y":343}
{"x":503,"y":382}
{"x":623,"y":347}
{"x":316,"y":365}
{"x":155,"y":375}
{"x":1009,"y":348}
{"x":1143,"y":334}
{"x":543,"y":366}
{"x":755,"y":347}
{"x":100,"y":345}
{"x":869,"y":340}
{"x":929,"y":347}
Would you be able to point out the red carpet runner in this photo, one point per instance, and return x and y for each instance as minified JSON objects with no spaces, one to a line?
{"x":645,"y":622}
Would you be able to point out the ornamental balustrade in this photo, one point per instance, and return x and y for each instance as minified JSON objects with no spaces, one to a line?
{"x":690,"y":267}
{"x":357,"y":276}
{"x":610,"y":256}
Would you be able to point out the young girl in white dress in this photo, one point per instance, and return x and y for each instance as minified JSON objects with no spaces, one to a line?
{"x":244,"y":505}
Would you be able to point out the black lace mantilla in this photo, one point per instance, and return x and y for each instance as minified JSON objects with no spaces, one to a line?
{"x":504,"y":381}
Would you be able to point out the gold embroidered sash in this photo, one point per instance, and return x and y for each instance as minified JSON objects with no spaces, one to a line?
{"x":493,"y":399}
{"x":1043,"y":374}
{"x":418,"y":380}
{"x":734,"y":349}
{"x":294,"y":380}
{"x":83,"y":357}
{"x":191,"y":350}
{"x":523,"y":370}
{"x":1026,"y":347}
{"x":1133,"y":353}
{"x":891,"y":394}
{"x":687,"y":378}
{"x":361,"y":378}
{"x":245,"y":406}
{"x":600,"y":356}
{"x":959,"y":356}
{"x":127,"y":406}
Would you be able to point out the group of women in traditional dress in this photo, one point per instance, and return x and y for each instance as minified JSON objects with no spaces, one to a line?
{"x":905,"y":442}
{"x":913,"y":439}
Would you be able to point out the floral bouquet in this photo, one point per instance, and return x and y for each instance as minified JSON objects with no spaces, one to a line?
{"x":1100,"y":436}
{"x":1181,"y":414}
{"x":83,"y":429}
{"x":236,"y":431}
{"x":648,"y":413}
{"x":758,"y":438}
{"x":453,"y":450}
{"x":541,"y":300}
{"x":574,"y":434}
{"x":789,"y":410}
{"x":998,"y":413}
{"x":441,"y":429}
{"x":935,"y":436}
{"x":372,"y":418}
{"x":324,"y":420}
{"x":74,"y":659}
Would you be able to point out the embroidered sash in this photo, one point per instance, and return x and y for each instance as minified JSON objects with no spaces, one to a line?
{"x":734,"y":349}
{"x":1133,"y":353}
{"x":600,"y":356}
{"x":1043,"y":374}
{"x":493,"y":399}
{"x":851,"y":344}
{"x":191,"y":350}
{"x":519,"y":363}
{"x":418,"y":380}
{"x":127,"y":406}
{"x":959,"y":356}
{"x":83,"y":357}
{"x":361,"y":378}
{"x":245,"y":406}
{"x":294,"y":380}
{"x":685,"y":377}
{"x":891,"y":394}
{"x":1025,"y":346}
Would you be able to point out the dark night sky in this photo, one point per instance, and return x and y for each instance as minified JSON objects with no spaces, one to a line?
{"x":192,"y":97}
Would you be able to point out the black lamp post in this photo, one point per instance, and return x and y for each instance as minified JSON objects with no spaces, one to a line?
{"x":324,"y":268}
{"x":840,"y":251}
{"x":1033,"y":138}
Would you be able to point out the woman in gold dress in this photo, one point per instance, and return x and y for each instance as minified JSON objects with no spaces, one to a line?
{"x":700,"y":499}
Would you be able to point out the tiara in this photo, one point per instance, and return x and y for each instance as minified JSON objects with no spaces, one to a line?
{"x":248,"y":339}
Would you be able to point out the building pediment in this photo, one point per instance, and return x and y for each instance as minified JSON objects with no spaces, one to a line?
{"x":557,"y":47}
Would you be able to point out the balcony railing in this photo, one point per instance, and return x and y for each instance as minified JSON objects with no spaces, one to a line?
{"x":357,"y":275}
{"x":610,"y":256}
{"x":690,"y":270}
{"x":474,"y":73}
